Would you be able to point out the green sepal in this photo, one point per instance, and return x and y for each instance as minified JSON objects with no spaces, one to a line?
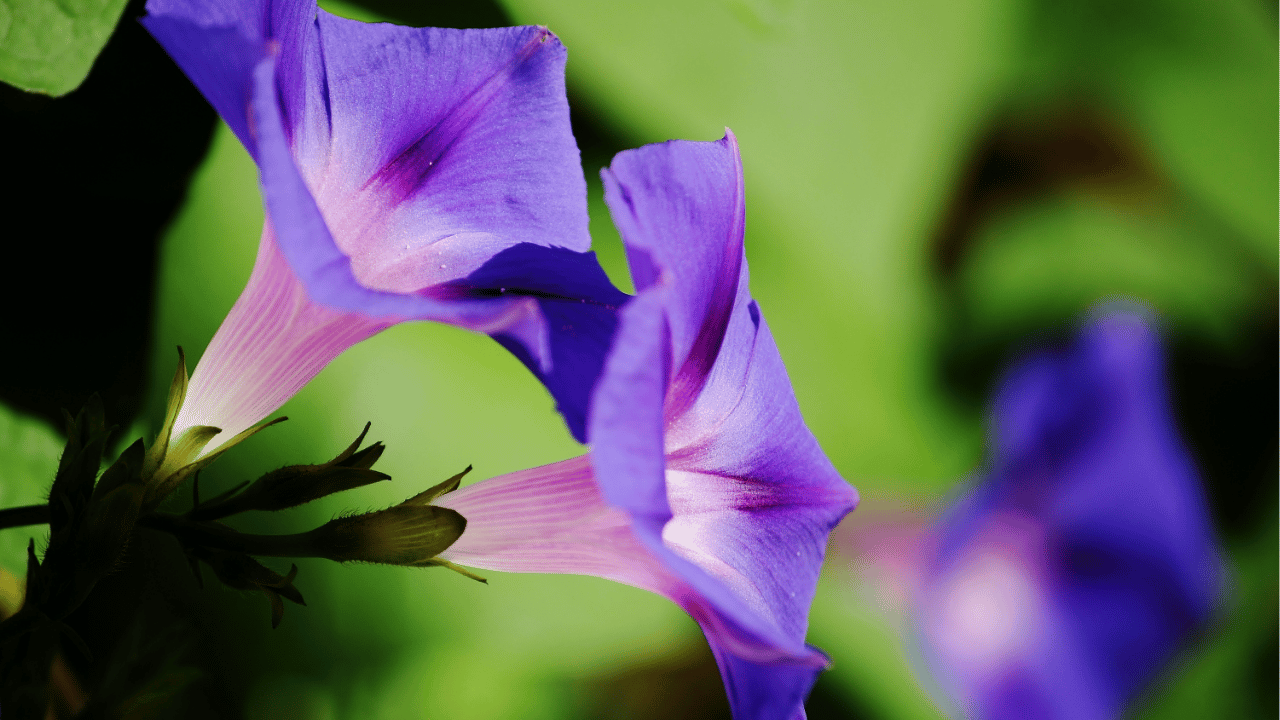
{"x":87,"y":435}
{"x":189,"y":445}
{"x":399,"y":535}
{"x":126,"y":469}
{"x":177,"y":464}
{"x":428,"y":496}
{"x":456,"y":568}
{"x":172,"y":472}
{"x":298,"y":484}
{"x":107,"y":529}
{"x":177,"y":394}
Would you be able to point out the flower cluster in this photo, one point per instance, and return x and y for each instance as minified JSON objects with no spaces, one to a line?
{"x":431,"y":174}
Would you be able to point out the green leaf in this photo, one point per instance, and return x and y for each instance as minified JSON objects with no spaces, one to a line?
{"x":1054,"y":259}
{"x":1198,"y":80}
{"x":48,"y":46}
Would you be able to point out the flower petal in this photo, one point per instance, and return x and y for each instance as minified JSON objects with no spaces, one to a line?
{"x":742,"y":511}
{"x":551,"y":519}
{"x":459,"y":141}
{"x":1125,"y":567}
{"x":219,"y":60}
{"x":555,"y":519}
{"x":764,"y":542}
{"x":281,"y":332}
{"x":748,"y":508}
{"x":742,"y":557}
{"x":274,"y":340}
{"x":396,"y":161}
{"x":767,"y":691}
{"x":580,"y":306}
{"x":680,"y":209}
{"x":626,"y":426}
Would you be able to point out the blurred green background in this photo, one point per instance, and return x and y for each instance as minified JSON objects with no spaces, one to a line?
{"x":930,"y":187}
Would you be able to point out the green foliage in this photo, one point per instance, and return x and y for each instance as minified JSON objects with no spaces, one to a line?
{"x":48,"y":46}
{"x":29,"y":452}
{"x":1052,"y":260}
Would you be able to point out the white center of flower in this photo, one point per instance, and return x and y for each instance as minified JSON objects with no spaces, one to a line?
{"x":987,"y":610}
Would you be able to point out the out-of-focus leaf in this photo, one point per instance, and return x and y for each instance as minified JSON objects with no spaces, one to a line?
{"x":29,"y":451}
{"x":1199,"y":81}
{"x":1052,"y":260}
{"x":48,"y":46}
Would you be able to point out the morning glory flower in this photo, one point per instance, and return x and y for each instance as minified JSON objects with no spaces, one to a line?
{"x":703,"y":483}
{"x":1070,"y":575}
{"x":408,"y":174}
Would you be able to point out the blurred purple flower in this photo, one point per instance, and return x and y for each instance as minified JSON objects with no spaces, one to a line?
{"x":703,"y":483}
{"x":408,"y":174}
{"x":1064,"y":581}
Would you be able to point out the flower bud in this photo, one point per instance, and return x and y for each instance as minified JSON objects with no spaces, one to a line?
{"x":400,"y":535}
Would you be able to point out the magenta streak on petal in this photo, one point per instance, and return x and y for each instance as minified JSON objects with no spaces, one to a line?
{"x":272,"y":343}
{"x":448,"y":147}
{"x":680,"y":207}
{"x":706,"y":345}
{"x":407,"y":172}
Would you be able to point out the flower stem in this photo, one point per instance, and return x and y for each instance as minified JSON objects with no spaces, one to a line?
{"x":25,"y":515}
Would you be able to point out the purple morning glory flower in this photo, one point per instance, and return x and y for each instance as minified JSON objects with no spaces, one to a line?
{"x":408,"y":174}
{"x":1065,"y":580}
{"x":703,"y":483}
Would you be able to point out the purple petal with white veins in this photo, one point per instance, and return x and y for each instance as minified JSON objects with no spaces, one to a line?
{"x":283,"y":331}
{"x":326,"y":272}
{"x":427,"y":149}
